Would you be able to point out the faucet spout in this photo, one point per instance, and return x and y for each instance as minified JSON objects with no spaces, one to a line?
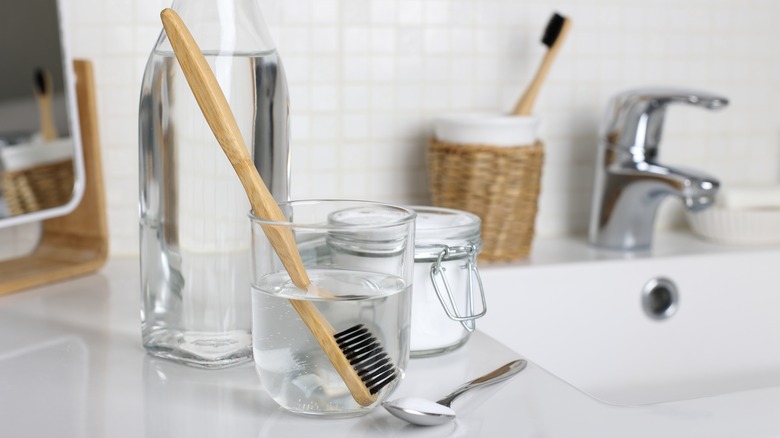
{"x":697,"y":189}
{"x":624,"y":210}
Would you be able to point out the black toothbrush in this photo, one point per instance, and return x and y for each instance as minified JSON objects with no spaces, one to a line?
{"x":553,"y":37}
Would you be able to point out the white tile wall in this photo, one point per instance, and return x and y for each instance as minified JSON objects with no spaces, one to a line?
{"x":368,"y":76}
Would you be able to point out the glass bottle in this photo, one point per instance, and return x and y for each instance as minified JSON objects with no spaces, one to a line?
{"x":194,"y":237}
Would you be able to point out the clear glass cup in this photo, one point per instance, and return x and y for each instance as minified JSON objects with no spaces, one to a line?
{"x":360,"y":257}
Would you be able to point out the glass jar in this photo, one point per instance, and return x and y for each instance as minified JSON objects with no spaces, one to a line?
{"x":446,"y":283}
{"x":194,"y":238}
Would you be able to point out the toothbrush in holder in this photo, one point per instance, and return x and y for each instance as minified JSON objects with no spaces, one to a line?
{"x":554,"y":35}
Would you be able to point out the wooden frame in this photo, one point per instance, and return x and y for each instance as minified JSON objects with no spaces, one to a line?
{"x":77,"y":243}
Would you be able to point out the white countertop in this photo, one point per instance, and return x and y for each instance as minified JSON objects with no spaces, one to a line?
{"x":72,"y":365}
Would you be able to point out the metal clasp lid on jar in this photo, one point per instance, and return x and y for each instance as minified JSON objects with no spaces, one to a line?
{"x":444,"y":238}
{"x":466,"y":316}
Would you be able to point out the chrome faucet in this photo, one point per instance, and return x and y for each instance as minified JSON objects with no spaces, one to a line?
{"x":630,"y":183}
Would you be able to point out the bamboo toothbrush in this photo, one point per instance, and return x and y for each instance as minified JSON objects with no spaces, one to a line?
{"x":355,"y":354}
{"x":44,"y":88}
{"x":553,"y":37}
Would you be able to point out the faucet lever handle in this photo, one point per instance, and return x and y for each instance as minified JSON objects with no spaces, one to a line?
{"x":634,"y":118}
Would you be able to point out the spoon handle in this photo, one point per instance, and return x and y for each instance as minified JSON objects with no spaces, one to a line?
{"x":495,"y":376}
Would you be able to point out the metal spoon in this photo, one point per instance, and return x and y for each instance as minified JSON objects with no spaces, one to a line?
{"x":424,"y":412}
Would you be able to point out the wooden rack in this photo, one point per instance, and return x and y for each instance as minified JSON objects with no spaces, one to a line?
{"x":77,"y":243}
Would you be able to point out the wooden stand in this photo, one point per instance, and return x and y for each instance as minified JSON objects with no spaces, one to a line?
{"x":75,"y":244}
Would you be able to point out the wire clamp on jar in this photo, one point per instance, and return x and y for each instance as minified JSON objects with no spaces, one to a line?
{"x":469,"y":252}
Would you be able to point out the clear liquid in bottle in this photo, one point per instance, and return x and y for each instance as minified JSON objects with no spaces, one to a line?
{"x":194,"y":231}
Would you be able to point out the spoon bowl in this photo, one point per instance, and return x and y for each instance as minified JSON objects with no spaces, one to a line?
{"x":420,"y":411}
{"x":423,"y":412}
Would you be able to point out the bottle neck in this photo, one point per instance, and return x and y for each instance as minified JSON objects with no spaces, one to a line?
{"x":224,"y":26}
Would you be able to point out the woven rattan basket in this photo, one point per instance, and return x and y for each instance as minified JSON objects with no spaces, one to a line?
{"x":38,"y":188}
{"x":499,"y":184}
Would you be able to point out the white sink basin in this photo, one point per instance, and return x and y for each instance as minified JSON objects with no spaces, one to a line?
{"x":582,"y":319}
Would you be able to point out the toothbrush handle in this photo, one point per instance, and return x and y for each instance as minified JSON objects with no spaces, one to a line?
{"x":223,"y":124}
{"x":499,"y":375}
{"x":219,"y":116}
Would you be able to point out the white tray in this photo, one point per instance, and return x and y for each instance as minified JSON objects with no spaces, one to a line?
{"x":741,"y":227}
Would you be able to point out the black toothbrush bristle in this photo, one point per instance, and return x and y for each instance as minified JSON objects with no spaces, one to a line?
{"x":367,"y":357}
{"x":40,"y":80}
{"x":553,"y":29}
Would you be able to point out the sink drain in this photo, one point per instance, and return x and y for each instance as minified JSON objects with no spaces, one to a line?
{"x":660,"y":298}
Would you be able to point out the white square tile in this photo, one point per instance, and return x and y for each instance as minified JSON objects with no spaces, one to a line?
{"x":355,"y":126}
{"x":463,"y":13}
{"x":324,"y":98}
{"x":324,"y":157}
{"x":488,"y":13}
{"x":356,"y":68}
{"x":147,"y":12}
{"x":145,"y":38}
{"x":409,"y":40}
{"x":325,"y":39}
{"x":488,"y":41}
{"x":409,"y":97}
{"x":355,"y":12}
{"x":355,"y":97}
{"x":300,"y":184}
{"x":409,"y":69}
{"x":383,"y":68}
{"x":462,"y":40}
{"x":115,"y":70}
{"x":462,"y":97}
{"x":355,"y":39}
{"x":300,"y":98}
{"x":325,"y":127}
{"x":354,"y":185}
{"x":324,"y":185}
{"x":355,"y":158}
{"x":325,"y":11}
{"x":438,"y":69}
{"x":325,"y":69}
{"x":436,"y":11}
{"x":385,"y":155}
{"x":119,"y":101}
{"x":88,"y":42}
{"x":121,"y":12}
{"x":294,"y":40}
{"x":300,"y":159}
{"x":272,"y":11}
{"x":383,"y":127}
{"x":384,"y":184}
{"x":413,"y":127}
{"x":410,"y":12}
{"x":300,"y":128}
{"x":120,"y":131}
{"x":383,"y":11}
{"x":297,"y":67}
{"x":296,"y":11}
{"x":382,"y":40}
{"x":383,"y":97}
{"x":436,"y":40}
{"x":436,"y":97}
